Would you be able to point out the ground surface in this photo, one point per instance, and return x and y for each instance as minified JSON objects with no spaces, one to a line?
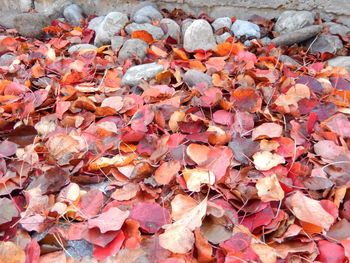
{"x":223,"y":155}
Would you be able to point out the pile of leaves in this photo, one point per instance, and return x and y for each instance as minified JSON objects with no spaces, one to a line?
{"x":252,"y":169}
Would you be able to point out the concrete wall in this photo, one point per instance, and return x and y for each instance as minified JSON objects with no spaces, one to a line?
{"x":239,"y":8}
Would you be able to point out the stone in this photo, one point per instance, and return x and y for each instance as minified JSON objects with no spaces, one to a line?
{"x":81,"y":47}
{"x":193,"y":77}
{"x":245,"y":28}
{"x":341,"y":61}
{"x":171,"y":28}
{"x":117,"y":42}
{"x":147,"y":14}
{"x":265,"y":41}
{"x":325,"y":43}
{"x":73,"y":14}
{"x":111,"y":25}
{"x":290,"y":21}
{"x":27,"y":24}
{"x":185,"y":24}
{"x":221,"y":22}
{"x":287,"y":60}
{"x":297,"y":36}
{"x":7,"y":59}
{"x":155,"y":31}
{"x":222,"y":38}
{"x":96,"y":22}
{"x":338,"y":29}
{"x":135,"y":74}
{"x":133,"y":48}
{"x":199,"y":36}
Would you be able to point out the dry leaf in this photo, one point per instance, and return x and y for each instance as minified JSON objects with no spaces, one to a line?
{"x":269,"y":189}
{"x":309,"y":210}
{"x":265,"y":160}
{"x":196,"y":177}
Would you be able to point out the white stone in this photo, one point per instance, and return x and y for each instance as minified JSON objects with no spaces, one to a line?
{"x":73,"y":14}
{"x":81,"y":47}
{"x":290,"y":21}
{"x":111,"y":25}
{"x":245,"y":28}
{"x":96,"y":22}
{"x":133,"y":48}
{"x":221,"y":22}
{"x":147,"y":14}
{"x":199,"y":36}
{"x":170,"y":28}
{"x":155,"y":31}
{"x":341,"y":61}
{"x":135,"y":74}
{"x":222,"y":38}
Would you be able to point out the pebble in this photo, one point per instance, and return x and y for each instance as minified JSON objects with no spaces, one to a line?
{"x":7,"y":59}
{"x":221,"y":22}
{"x":96,"y":22}
{"x":245,"y":28}
{"x":193,"y":77}
{"x":185,"y":24}
{"x":111,"y":25}
{"x":117,"y":42}
{"x":80,"y":47}
{"x":133,"y":48}
{"x":199,"y":36}
{"x":155,"y":31}
{"x":287,"y":60}
{"x":341,"y":61}
{"x":73,"y":14}
{"x":171,"y":28}
{"x":147,"y":14}
{"x":290,"y":21}
{"x":338,"y":29}
{"x":222,"y":38}
{"x":135,"y":74}
{"x":325,"y":43}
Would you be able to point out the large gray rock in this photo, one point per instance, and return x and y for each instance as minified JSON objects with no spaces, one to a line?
{"x":325,"y":43}
{"x":341,"y":61}
{"x":290,"y":21}
{"x":297,"y":36}
{"x":27,"y":24}
{"x":133,"y":48}
{"x":81,"y":47}
{"x":96,"y":22}
{"x":147,"y":14}
{"x":117,"y":42}
{"x":245,"y":28}
{"x":111,"y":25}
{"x":135,"y":74}
{"x":221,"y":22}
{"x":193,"y":77}
{"x":338,"y":29}
{"x":155,"y":31}
{"x":73,"y":14}
{"x":199,"y":35}
{"x":171,"y":28}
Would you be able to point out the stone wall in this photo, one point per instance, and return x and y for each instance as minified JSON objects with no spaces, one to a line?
{"x":239,"y":8}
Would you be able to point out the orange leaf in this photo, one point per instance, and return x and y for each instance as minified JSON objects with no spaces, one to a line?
{"x":180,"y":53}
{"x":226,"y":48}
{"x":143,"y":35}
{"x":195,"y":64}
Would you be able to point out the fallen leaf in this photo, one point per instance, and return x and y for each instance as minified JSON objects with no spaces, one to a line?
{"x":196,"y":177}
{"x":265,"y":160}
{"x":269,"y":189}
{"x":111,"y":220}
{"x":267,"y":130}
{"x":11,"y":253}
{"x":309,"y":210}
